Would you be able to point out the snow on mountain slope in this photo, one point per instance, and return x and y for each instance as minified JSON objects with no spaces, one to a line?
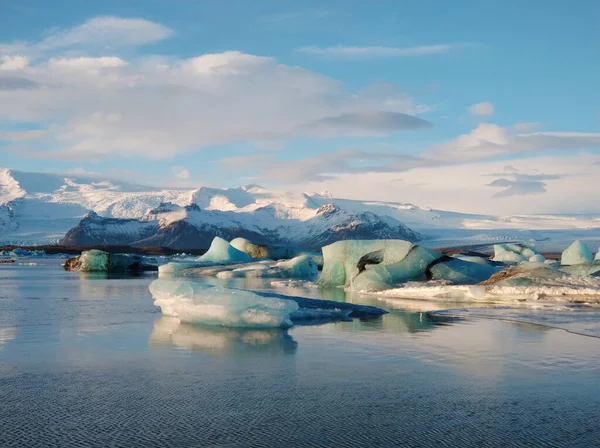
{"x":38,"y":208}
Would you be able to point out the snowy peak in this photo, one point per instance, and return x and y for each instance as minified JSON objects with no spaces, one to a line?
{"x":40,"y":208}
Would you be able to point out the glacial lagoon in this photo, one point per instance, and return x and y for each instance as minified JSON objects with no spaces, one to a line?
{"x":88,"y":360}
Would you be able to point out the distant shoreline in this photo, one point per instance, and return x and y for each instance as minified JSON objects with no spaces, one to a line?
{"x":53,"y":249}
{"x":76,"y":250}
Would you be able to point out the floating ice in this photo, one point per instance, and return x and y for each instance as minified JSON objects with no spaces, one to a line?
{"x":462,"y":272}
{"x":94,"y":261}
{"x":343,"y":260}
{"x":100,"y":261}
{"x":509,"y":257}
{"x":302,"y":266}
{"x":221,"y":251}
{"x":576,"y":253}
{"x":472,"y":259}
{"x":515,"y":253}
{"x":273,"y":252}
{"x":214,"y":305}
{"x":582,"y":269}
{"x":537,"y":258}
{"x":380,"y":265}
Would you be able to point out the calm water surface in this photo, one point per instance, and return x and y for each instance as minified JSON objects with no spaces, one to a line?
{"x":89,"y":361}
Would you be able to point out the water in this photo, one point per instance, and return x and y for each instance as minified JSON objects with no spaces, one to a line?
{"x":89,"y":361}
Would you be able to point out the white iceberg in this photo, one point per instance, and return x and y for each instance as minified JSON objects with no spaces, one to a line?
{"x":258,"y":251}
{"x":576,"y":253}
{"x":509,"y":257}
{"x":221,"y":251}
{"x":343,"y":260}
{"x":214,"y":305}
{"x":513,"y":253}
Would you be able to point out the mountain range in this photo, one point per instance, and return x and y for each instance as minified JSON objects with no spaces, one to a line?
{"x":87,"y":210}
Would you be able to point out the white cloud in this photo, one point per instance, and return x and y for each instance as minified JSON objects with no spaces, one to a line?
{"x":19,"y":136}
{"x":490,"y":140}
{"x":180,"y":172}
{"x":527,"y":126}
{"x":482,"y":109}
{"x":368,"y":52}
{"x":95,"y":107}
{"x":108,"y":32}
{"x":13,"y":62}
{"x":464,"y":187}
{"x":86,"y":63}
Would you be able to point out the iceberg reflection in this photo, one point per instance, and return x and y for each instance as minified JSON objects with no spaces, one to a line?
{"x":170,"y":332}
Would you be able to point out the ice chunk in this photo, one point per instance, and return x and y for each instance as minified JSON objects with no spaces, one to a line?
{"x":176,"y":267}
{"x":528,"y":253}
{"x":221,"y":251}
{"x":383,"y":276}
{"x":100,"y":261}
{"x":500,"y":248}
{"x":513,"y":253}
{"x":93,"y":261}
{"x":462,"y":272}
{"x":273,"y":252}
{"x":343,"y":260}
{"x":214,"y":305}
{"x":376,"y":279}
{"x":582,"y":269}
{"x":472,"y":259}
{"x":509,"y":257}
{"x":576,"y":253}
{"x":302,"y":267}
{"x":525,"y":274}
{"x":537,"y":258}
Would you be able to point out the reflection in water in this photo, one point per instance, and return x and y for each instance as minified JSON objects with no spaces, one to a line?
{"x":113,"y":275}
{"x":170,"y":331}
{"x":401,"y":322}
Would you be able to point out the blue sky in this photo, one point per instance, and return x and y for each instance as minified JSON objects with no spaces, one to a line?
{"x":481,"y":106}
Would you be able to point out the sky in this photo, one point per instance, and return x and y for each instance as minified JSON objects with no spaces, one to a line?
{"x":472,"y":106}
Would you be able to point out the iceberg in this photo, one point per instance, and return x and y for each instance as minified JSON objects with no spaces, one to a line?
{"x":462,"y":272}
{"x":509,"y":257}
{"x":513,"y":253}
{"x":344,"y":260}
{"x":221,"y":251}
{"x":472,"y":259}
{"x":214,"y":305}
{"x":576,"y":253}
{"x":582,"y":269}
{"x":273,"y":252}
{"x":100,"y":261}
{"x":383,"y":264}
{"x":302,"y":266}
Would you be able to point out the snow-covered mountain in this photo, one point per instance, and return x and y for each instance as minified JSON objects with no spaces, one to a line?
{"x":41,"y":208}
